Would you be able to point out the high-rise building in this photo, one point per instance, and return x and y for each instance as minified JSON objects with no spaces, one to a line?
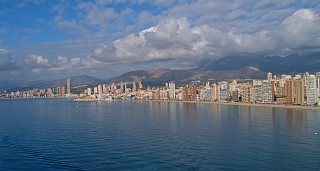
{"x":273,"y":90}
{"x":299,"y":91}
{"x":235,"y":95}
{"x":99,"y":89}
{"x":189,"y":93}
{"x":43,"y":91}
{"x":311,"y":81}
{"x":113,"y":88}
{"x":269,"y":76}
{"x":172,"y":91}
{"x":104,"y":89}
{"x":224,"y":94}
{"x":258,"y":90}
{"x":244,"y":93}
{"x":266,"y":91}
{"x":89,"y":91}
{"x":134,"y":87}
{"x":252,"y":94}
{"x":290,"y":91}
{"x":156,"y":94}
{"x":306,"y":77}
{"x":121,"y":86}
{"x":140,"y":85}
{"x":312,"y":96}
{"x":68,"y":86}
{"x":49,"y":92}
{"x":63,"y":91}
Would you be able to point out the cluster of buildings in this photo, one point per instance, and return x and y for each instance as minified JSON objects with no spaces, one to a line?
{"x":60,"y":91}
{"x":302,"y":89}
{"x":299,"y":90}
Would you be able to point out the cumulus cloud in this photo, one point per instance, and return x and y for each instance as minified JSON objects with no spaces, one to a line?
{"x":6,"y":62}
{"x":176,"y":39}
{"x":179,"y":34}
{"x":37,"y":61}
{"x":301,"y":30}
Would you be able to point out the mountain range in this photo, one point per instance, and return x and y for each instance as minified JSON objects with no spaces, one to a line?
{"x":77,"y":82}
{"x":291,"y":64}
{"x":232,"y":67}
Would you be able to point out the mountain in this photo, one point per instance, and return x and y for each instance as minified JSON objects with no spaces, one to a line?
{"x":232,"y":67}
{"x":227,"y":68}
{"x":181,"y":76}
{"x":291,"y":64}
{"x":76,"y":82}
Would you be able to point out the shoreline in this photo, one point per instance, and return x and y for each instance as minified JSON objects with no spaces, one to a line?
{"x":220,"y":103}
{"x":241,"y":104}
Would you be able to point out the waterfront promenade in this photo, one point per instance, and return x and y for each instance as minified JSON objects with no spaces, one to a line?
{"x":221,"y":103}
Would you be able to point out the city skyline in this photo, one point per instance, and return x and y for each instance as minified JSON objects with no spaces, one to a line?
{"x":284,"y":89}
{"x":41,"y":39}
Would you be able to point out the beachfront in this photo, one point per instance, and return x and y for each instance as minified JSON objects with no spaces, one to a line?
{"x":209,"y":102}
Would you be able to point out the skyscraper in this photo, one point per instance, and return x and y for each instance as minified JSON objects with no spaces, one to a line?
{"x":289,"y":88}
{"x":134,"y":87}
{"x":104,"y":89}
{"x":140,"y":85}
{"x":121,"y":86}
{"x":269,"y":76}
{"x":62,"y":91}
{"x":89,"y":91}
{"x":68,"y":87}
{"x":99,"y":89}
{"x":299,"y":90}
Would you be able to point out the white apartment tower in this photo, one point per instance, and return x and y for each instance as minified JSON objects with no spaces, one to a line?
{"x":269,"y":76}
{"x":89,"y":91}
{"x":266,"y":91}
{"x":68,"y":86}
{"x":172,"y":91}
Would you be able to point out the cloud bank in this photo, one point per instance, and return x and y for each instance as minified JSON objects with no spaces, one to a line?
{"x":176,"y":39}
{"x":111,"y":37}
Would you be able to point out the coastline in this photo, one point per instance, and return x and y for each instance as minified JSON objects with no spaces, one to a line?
{"x":246,"y":104}
{"x":220,"y":103}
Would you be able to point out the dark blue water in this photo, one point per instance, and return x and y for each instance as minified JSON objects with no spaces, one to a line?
{"x":59,"y":134}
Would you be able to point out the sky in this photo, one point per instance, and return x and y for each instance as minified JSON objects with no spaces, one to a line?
{"x":52,"y":39}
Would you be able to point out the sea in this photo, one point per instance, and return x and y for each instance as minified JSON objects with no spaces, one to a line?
{"x":60,"y":134}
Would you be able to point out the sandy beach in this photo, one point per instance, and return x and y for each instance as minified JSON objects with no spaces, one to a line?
{"x":241,"y":104}
{"x":220,"y":103}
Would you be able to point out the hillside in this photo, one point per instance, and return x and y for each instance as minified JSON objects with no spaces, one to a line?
{"x":76,"y":82}
{"x":181,"y":76}
{"x":292,"y":64}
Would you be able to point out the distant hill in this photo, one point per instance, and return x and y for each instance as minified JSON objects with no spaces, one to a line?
{"x":292,"y":64}
{"x":181,"y":76}
{"x":75,"y":82}
{"x":232,"y":67}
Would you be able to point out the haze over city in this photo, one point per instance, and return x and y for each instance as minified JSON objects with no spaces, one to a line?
{"x":43,"y":39}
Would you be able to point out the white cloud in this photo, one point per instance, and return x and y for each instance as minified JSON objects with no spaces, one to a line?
{"x":183,"y":32}
{"x":37,"y":71}
{"x":176,"y":39}
{"x":37,"y":61}
{"x":96,"y":14}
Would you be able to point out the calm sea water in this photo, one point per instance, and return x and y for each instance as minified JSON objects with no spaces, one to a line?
{"x":59,"y":134}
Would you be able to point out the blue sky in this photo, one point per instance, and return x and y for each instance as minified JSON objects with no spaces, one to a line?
{"x":44,"y":39}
